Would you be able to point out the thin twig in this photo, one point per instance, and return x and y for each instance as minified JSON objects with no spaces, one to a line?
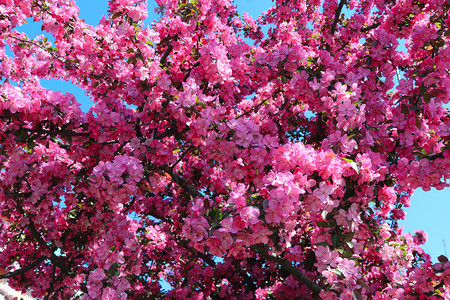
{"x":251,"y":110}
{"x":181,"y":157}
{"x":60,"y":132}
{"x":183,"y":183}
{"x":314,"y":287}
{"x":60,"y":263}
{"x":42,"y":47}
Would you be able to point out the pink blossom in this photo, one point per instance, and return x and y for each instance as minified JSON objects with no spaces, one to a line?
{"x":348,"y":269}
{"x":238,"y":224}
{"x":250,"y":214}
{"x":420,"y":237}
{"x":97,"y":275}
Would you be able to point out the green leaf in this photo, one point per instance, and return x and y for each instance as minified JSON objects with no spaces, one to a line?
{"x":347,"y":160}
{"x":427,"y":97}
{"x":348,"y":236}
{"x":323,"y":224}
{"x":311,"y":60}
{"x":335,"y":240}
{"x":347,"y":254}
{"x":337,"y":272}
{"x":114,"y":270}
{"x":405,"y":109}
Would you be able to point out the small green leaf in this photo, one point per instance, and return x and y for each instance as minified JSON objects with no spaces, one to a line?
{"x":114,"y":270}
{"x":322,"y":224}
{"x":347,"y":160}
{"x":324,"y":244}
{"x":347,"y":254}
{"x":337,"y":272}
{"x":335,"y":240}
{"x":405,"y":109}
{"x":348,"y":236}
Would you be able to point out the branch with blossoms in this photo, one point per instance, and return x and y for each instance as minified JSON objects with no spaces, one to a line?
{"x":284,"y":264}
{"x":314,"y":287}
{"x":337,"y":16}
{"x":23,"y":270}
{"x":268,"y":155}
{"x":58,"y":261}
{"x":65,"y":62}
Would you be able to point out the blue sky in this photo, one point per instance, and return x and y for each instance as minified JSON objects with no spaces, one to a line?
{"x":429,"y":211}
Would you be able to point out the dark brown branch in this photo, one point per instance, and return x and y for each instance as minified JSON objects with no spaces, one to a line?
{"x":182,"y":156}
{"x":56,"y":260}
{"x":206,"y":258}
{"x":166,"y":54}
{"x":436,"y":156}
{"x":337,"y":16}
{"x":373,"y":26}
{"x":201,"y":255}
{"x":42,"y":47}
{"x":183,"y":183}
{"x":24,"y":269}
{"x":50,"y":288}
{"x":169,"y":132}
{"x":314,"y":287}
{"x":251,"y":110}
{"x":318,"y":133}
{"x":54,"y":132}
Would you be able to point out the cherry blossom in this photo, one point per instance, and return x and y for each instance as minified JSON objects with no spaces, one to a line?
{"x":225,"y":161}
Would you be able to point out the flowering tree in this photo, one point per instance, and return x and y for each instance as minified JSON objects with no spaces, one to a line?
{"x":276,"y":168}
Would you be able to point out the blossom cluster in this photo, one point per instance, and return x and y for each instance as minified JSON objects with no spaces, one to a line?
{"x":228,"y":162}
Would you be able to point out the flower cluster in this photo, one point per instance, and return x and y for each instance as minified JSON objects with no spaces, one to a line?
{"x":227,"y":162}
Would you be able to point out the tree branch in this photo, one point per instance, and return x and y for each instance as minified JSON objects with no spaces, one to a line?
{"x":60,"y":132}
{"x":181,"y":157}
{"x":56,"y":260}
{"x":314,"y":287}
{"x":183,"y":183}
{"x":25,"y":269}
{"x":373,"y":26}
{"x":436,"y":156}
{"x":43,"y":48}
{"x":166,"y":54}
{"x":201,"y":255}
{"x":336,"y":16}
